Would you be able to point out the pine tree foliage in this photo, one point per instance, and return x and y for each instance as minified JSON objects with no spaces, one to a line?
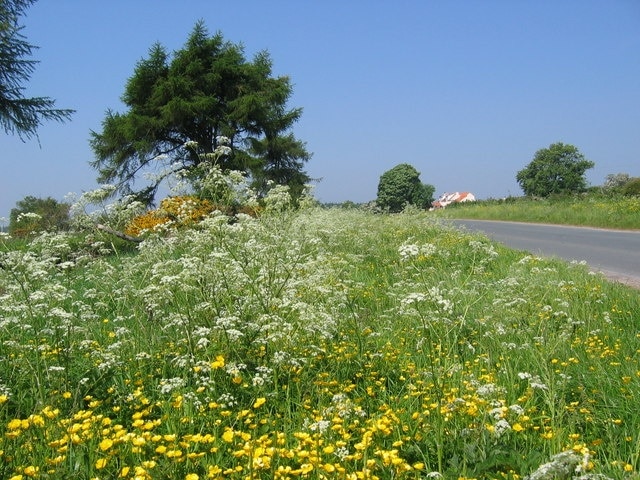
{"x":202,"y":94}
{"x":20,"y":114}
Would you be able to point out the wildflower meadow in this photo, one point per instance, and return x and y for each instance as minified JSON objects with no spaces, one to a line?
{"x":313,"y":343}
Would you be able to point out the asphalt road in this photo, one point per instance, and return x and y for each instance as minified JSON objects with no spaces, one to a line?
{"x":614,"y":253}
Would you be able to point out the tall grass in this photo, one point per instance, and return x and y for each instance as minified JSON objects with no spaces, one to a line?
{"x":315,"y":344}
{"x":593,"y":210}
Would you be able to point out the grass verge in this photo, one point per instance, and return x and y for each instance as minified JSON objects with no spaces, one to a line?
{"x":320,"y":344}
{"x":599,"y":211}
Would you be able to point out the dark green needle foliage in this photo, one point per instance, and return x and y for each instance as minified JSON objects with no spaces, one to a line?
{"x":20,"y":114}
{"x":206,"y":92}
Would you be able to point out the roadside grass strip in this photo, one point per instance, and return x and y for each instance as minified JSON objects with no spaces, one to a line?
{"x":318,"y":344}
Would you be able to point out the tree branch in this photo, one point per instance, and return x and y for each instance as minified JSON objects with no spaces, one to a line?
{"x":118,"y":234}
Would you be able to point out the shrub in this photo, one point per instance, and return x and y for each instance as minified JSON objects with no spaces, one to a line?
{"x":181,"y":211}
{"x":174,"y":212}
{"x":632,"y":187}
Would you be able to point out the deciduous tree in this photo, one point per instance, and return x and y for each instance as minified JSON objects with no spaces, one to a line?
{"x":400,"y":187}
{"x":34,"y":214}
{"x":558,"y":169}
{"x":181,"y":108}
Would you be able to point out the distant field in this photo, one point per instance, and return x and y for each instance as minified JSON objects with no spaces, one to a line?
{"x":593,"y":211}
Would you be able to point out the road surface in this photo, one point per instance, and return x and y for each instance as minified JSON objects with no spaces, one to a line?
{"x":615,"y":253}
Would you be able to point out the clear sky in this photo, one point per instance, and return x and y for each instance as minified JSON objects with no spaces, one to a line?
{"x":466,"y":91}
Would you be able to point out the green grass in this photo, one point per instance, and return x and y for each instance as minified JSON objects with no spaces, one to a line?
{"x":317,"y":344}
{"x":592,"y":210}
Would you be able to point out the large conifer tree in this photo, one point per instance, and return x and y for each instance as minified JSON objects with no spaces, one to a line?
{"x":18,"y":113}
{"x":203,"y":92}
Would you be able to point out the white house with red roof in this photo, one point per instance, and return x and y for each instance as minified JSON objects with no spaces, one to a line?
{"x":455,"y":197}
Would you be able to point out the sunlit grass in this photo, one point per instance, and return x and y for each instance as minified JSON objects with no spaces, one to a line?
{"x":317,"y":344}
{"x":589,"y":210}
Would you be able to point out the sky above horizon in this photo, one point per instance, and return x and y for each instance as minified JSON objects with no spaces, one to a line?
{"x":466,"y":91}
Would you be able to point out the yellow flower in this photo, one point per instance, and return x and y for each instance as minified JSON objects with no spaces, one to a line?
{"x":101,"y":463}
{"x":31,"y":471}
{"x":106,"y":444}
{"x":191,"y":476}
{"x":259,"y":402}
{"x":218,"y":362}
{"x":329,"y":468}
{"x":227,"y":436}
{"x":14,"y":424}
{"x":3,"y":399}
{"x":140,"y":472}
{"x":214,"y":470}
{"x":174,"y":453}
{"x":124,"y":472}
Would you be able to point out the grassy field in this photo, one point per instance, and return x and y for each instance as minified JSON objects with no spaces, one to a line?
{"x":601,"y":211}
{"x":318,"y":344}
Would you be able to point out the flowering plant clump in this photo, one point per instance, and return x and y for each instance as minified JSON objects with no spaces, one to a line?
{"x":314,"y":343}
{"x":175,"y":212}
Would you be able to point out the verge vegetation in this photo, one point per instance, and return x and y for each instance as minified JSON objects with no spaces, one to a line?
{"x":322,"y":343}
{"x":592,"y":210}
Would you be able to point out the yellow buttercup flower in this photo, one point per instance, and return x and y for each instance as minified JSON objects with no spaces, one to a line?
{"x":106,"y":444}
{"x":227,"y":436}
{"x":31,"y":471}
{"x":218,"y":362}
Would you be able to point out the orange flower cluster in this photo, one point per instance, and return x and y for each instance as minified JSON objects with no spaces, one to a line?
{"x":174,"y":212}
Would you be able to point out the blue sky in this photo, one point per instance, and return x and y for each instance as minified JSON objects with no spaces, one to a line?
{"x":465,"y":91}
